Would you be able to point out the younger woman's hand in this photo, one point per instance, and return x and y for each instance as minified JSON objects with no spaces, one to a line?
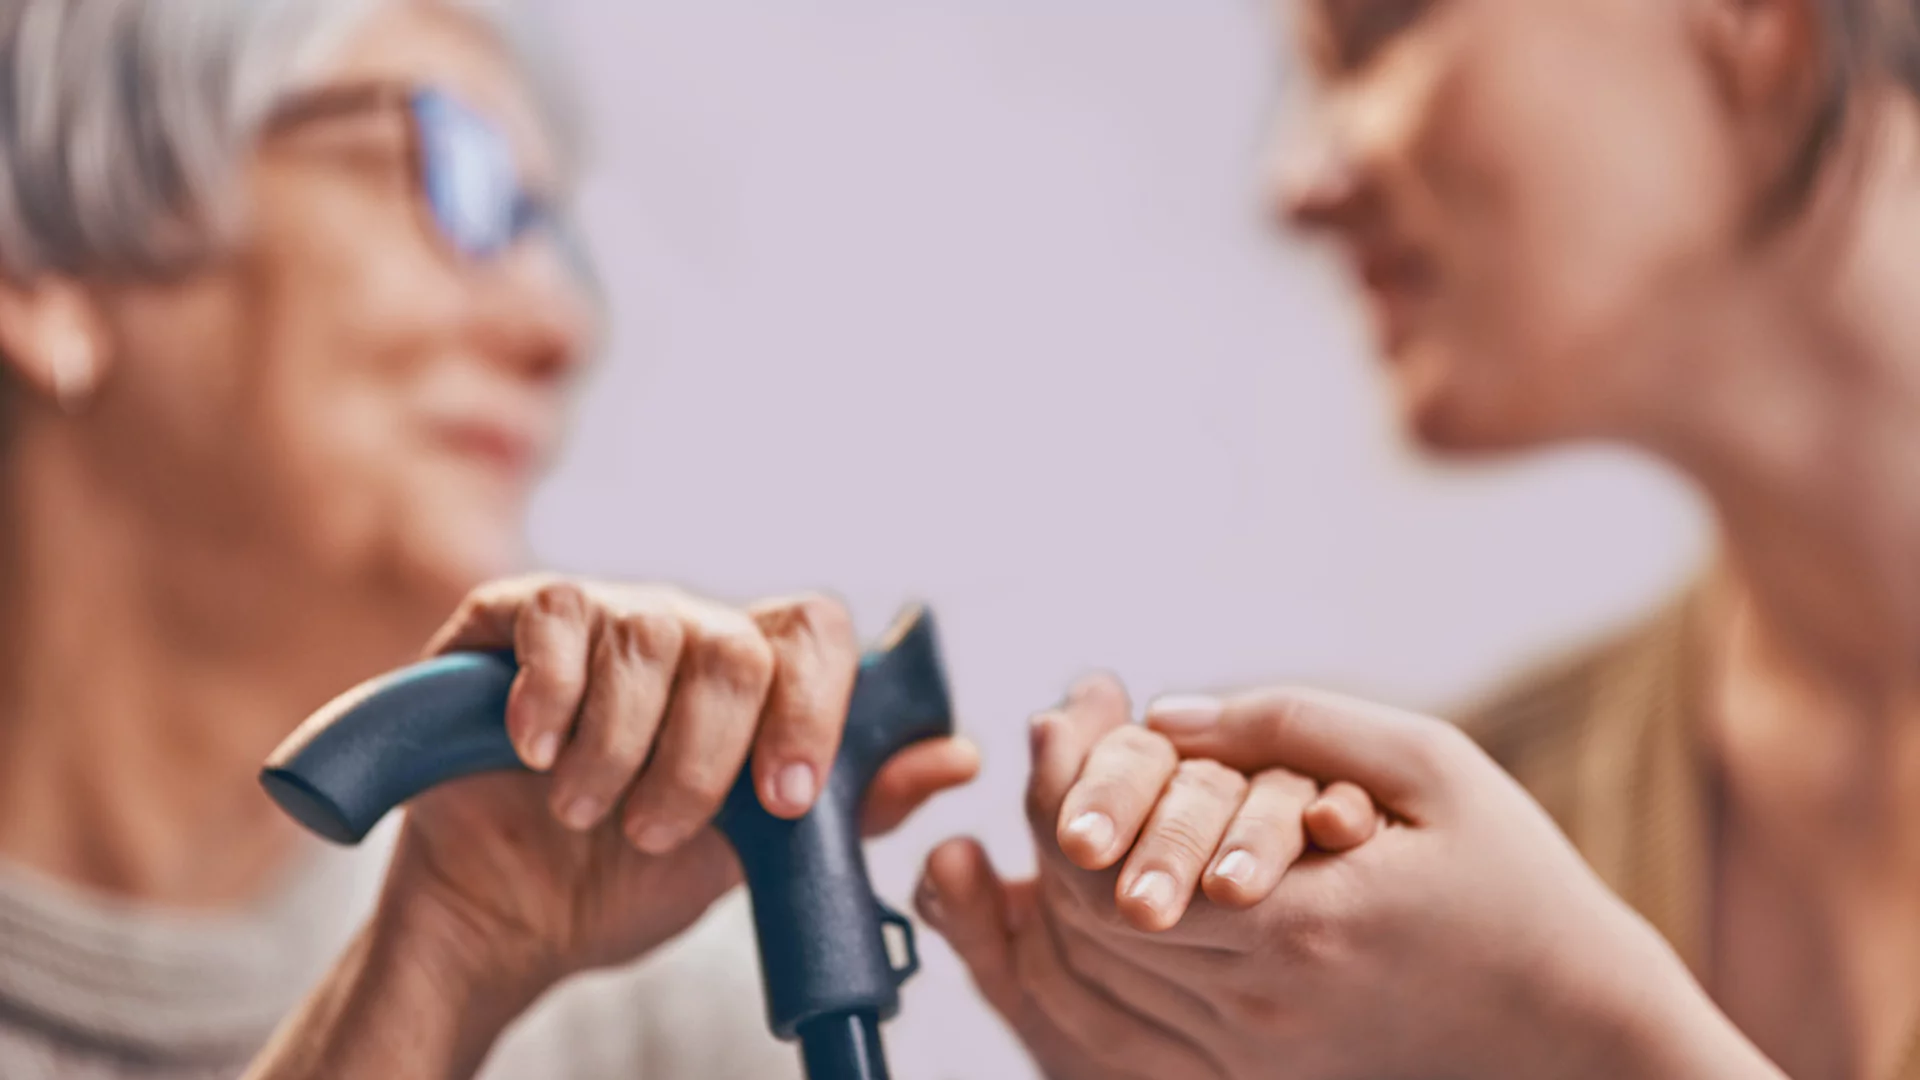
{"x":1464,"y":937}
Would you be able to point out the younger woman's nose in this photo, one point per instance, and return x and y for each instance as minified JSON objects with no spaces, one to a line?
{"x":1316,"y":184}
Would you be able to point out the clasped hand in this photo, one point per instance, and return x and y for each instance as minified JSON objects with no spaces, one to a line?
{"x":1218,"y":897}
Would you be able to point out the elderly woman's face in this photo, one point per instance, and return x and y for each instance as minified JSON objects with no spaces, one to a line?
{"x":1535,"y":194}
{"x":346,"y":386}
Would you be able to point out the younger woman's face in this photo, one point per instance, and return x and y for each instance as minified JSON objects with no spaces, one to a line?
{"x":1534,"y":194}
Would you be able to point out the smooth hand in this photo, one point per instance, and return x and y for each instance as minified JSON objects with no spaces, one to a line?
{"x":1465,"y":937}
{"x":636,"y":707}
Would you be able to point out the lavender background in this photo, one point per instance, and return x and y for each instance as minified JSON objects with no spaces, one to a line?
{"x":974,"y":304}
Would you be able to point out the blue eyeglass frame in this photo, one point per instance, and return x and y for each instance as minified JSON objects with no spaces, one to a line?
{"x":464,"y":169}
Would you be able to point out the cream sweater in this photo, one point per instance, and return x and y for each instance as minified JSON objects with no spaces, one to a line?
{"x":94,"y":989}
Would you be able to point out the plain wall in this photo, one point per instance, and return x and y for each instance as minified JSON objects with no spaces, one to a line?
{"x":977,"y":305}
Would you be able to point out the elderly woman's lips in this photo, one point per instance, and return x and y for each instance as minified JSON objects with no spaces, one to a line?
{"x":511,"y":450}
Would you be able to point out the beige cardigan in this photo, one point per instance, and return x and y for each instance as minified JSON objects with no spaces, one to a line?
{"x":1606,"y":742}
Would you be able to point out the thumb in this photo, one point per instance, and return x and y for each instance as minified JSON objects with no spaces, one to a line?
{"x":1342,"y":818}
{"x":1404,"y":759}
{"x":963,"y":899}
{"x":913,"y":776}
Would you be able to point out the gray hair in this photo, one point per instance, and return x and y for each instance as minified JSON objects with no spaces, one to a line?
{"x":123,"y":123}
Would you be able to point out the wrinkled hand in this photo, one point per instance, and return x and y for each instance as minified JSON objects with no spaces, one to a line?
{"x":1133,"y":843}
{"x":1466,"y":938}
{"x":637,"y":706}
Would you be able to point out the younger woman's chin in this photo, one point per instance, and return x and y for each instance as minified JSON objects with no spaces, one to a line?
{"x":1442,"y":417}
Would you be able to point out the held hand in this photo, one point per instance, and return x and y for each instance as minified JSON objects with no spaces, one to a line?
{"x":1127,"y":833}
{"x":637,"y":706}
{"x":1466,"y":937}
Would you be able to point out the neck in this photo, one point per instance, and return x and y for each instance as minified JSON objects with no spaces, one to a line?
{"x":1807,"y":441}
{"x":143,"y":678}
{"x":1804,"y":432}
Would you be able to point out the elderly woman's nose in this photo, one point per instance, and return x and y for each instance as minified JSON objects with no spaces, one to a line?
{"x":541,"y":316}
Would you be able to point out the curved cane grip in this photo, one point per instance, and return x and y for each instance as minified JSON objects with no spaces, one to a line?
{"x":389,"y":739}
{"x":820,"y":930}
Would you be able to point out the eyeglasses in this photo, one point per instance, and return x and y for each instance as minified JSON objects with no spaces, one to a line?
{"x":463,"y":165}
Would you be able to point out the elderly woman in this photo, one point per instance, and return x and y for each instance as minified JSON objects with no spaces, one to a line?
{"x":288,"y":318}
{"x":1686,"y":227}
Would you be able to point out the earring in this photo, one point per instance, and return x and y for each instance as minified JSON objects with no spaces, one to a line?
{"x":74,"y":372}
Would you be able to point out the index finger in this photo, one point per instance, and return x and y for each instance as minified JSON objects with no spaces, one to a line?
{"x":815,"y":660}
{"x":1062,"y":739}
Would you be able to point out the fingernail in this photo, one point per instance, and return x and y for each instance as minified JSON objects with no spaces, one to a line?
{"x":1237,"y":866}
{"x":794,"y":785}
{"x":657,"y":839}
{"x":544,"y":749}
{"x":1185,"y":713}
{"x":581,"y":813}
{"x":1092,"y":828}
{"x":1154,"y":889}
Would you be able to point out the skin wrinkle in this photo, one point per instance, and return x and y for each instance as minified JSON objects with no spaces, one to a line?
{"x":1060,"y":949}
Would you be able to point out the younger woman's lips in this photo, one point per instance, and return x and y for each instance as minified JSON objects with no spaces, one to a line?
{"x":1396,"y":282}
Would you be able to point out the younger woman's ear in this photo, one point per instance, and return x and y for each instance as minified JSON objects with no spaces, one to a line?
{"x":1768,"y":56}
{"x":52,"y":340}
{"x":1773,"y":62}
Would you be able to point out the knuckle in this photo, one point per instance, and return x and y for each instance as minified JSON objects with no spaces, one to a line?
{"x":560,"y":597}
{"x":471,"y":608}
{"x":742,"y":659}
{"x":1210,"y":778}
{"x":1282,"y":792}
{"x":1283,"y":710}
{"x":1137,"y":744}
{"x":816,"y":616}
{"x":1108,"y":794}
{"x":697,"y":781}
{"x":548,"y":678}
{"x":646,"y":635}
{"x":1318,"y":945}
{"x":620,"y":741}
{"x":1268,"y":836}
{"x":1311,"y":938}
{"x":1179,"y":839}
{"x":507,"y":589}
